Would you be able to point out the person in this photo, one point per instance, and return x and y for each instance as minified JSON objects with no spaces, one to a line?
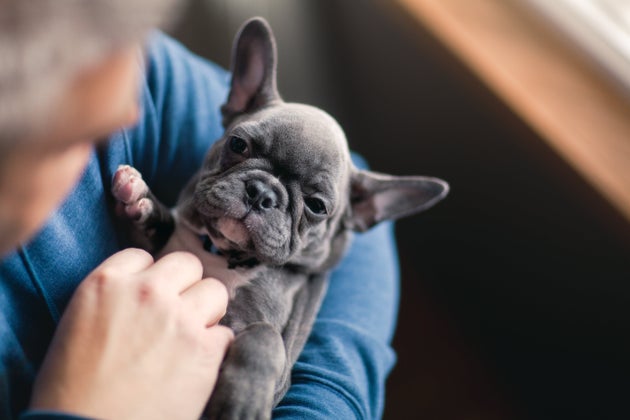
{"x":90,"y":328}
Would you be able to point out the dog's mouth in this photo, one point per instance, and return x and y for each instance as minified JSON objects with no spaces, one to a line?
{"x":230,"y":237}
{"x":228,"y":233}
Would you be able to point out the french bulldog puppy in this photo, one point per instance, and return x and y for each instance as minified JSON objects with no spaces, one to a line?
{"x":269,"y":213}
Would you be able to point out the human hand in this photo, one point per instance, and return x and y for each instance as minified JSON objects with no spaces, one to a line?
{"x":139,"y":339}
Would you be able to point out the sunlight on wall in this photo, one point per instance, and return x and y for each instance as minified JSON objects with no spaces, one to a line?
{"x":600,"y":27}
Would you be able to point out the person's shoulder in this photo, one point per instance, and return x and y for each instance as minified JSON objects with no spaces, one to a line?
{"x":160,"y":44}
{"x":160,"y":47}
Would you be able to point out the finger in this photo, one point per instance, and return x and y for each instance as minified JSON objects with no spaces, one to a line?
{"x":207,"y":300}
{"x":175,"y":272}
{"x":219,"y":337}
{"x":130,"y":261}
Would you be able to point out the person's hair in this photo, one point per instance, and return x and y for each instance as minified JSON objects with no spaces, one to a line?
{"x":44,"y":43}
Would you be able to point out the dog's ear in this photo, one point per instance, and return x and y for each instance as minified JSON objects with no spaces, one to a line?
{"x":376,"y":197}
{"x":254,"y":62}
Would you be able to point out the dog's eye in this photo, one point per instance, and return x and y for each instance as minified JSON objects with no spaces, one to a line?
{"x":315,"y":205}
{"x":238,"y":145}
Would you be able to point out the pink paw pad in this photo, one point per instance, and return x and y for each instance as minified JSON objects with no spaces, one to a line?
{"x":130,"y":190}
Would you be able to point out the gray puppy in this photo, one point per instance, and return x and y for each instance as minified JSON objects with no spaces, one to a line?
{"x":277,"y":197}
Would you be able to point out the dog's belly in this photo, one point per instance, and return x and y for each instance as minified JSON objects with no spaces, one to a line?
{"x":186,"y":239}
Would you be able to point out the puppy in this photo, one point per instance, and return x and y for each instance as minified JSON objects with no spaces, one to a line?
{"x":269,"y":213}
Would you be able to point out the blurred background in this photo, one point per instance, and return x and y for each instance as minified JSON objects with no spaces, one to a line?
{"x":516,"y":289}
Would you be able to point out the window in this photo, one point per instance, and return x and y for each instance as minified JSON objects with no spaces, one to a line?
{"x":600,"y":27}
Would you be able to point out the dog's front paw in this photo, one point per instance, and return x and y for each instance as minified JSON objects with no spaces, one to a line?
{"x":251,"y":368}
{"x":247,"y":400}
{"x":242,"y":393}
{"x":131,"y":193}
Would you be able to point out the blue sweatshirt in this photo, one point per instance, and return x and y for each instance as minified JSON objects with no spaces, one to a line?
{"x":341,"y":372}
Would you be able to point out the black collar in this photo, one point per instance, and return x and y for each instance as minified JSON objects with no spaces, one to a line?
{"x":209,"y":246}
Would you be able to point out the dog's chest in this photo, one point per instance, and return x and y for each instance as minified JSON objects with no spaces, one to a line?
{"x":269,"y":297}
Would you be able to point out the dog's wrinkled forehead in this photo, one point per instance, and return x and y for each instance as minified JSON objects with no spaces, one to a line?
{"x":298,"y":139}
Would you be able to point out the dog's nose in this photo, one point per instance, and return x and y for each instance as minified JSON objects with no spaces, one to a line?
{"x":260,"y":195}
